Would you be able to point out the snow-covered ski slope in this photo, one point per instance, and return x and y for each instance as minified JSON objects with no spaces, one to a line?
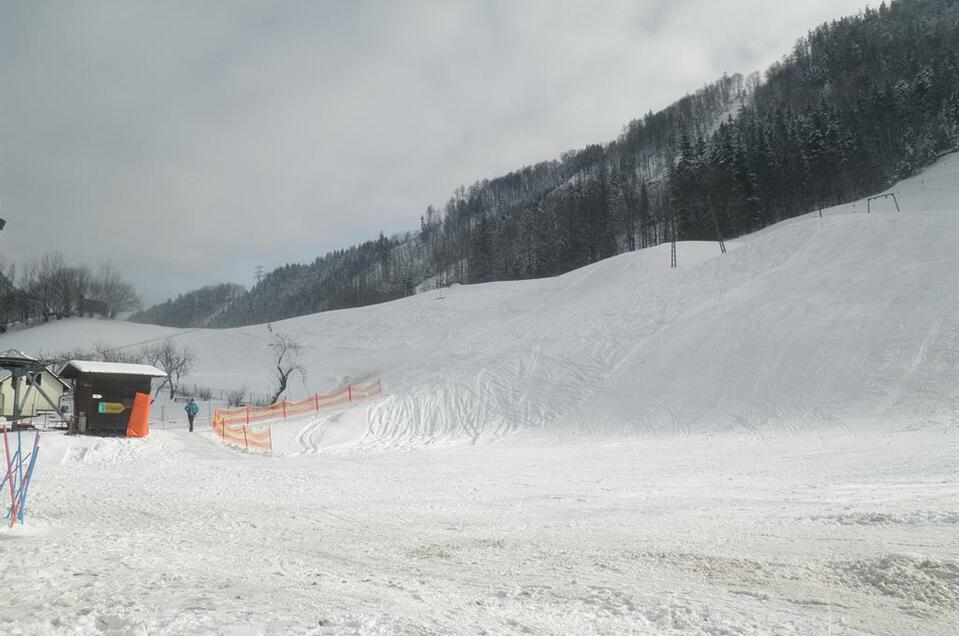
{"x":850,"y":320}
{"x":811,"y":487}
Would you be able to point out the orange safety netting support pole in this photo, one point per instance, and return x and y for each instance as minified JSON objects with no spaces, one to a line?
{"x":245,"y":441}
{"x":248,"y":415}
{"x":349,"y":391}
{"x":284,"y":409}
{"x":269,"y":431}
{"x":316,"y":400}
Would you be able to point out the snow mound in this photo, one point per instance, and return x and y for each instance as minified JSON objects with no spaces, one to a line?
{"x":918,"y":580}
{"x":111,"y":450}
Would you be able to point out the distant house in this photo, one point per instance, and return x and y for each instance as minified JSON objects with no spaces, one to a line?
{"x":41,"y":390}
{"x":91,"y":306}
{"x":104,"y":392}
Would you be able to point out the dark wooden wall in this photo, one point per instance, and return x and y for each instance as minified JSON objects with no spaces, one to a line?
{"x":112,"y":388}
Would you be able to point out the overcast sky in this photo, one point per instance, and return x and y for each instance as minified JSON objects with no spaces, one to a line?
{"x":190,"y":141}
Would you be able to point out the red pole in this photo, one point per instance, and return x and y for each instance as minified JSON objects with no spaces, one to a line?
{"x":316,"y":398}
{"x":248,"y":415}
{"x":13,"y":502}
{"x":349,"y":391}
{"x":245,"y":442}
{"x":284,"y":409}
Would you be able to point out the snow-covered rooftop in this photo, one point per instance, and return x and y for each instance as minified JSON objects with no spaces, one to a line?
{"x":16,"y":354}
{"x":115,"y":368}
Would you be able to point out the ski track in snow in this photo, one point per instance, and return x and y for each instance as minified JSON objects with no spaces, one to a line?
{"x":763,"y":442}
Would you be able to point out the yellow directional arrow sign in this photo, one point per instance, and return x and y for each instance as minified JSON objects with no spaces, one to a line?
{"x":112,"y":408}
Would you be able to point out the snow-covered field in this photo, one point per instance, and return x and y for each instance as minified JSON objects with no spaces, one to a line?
{"x":761,"y":442}
{"x":794,"y":534}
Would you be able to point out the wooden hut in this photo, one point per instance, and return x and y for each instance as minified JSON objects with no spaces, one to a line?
{"x":104,"y":393}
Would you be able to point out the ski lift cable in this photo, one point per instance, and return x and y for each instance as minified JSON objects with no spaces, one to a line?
{"x":52,"y":361}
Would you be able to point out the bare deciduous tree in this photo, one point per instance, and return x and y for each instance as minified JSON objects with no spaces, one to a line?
{"x":48,"y":288}
{"x":117,"y":293}
{"x":286,"y":357}
{"x":235,"y":397}
{"x":8,"y":293}
{"x":170,"y":359}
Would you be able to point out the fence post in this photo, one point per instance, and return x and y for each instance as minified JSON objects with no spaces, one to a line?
{"x":379,"y":385}
{"x":349,"y":391}
{"x":247,"y":415}
{"x":316,"y":399}
{"x":269,"y":432}
{"x":245,"y":442}
{"x":284,"y":409}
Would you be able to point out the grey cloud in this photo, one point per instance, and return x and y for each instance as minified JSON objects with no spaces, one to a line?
{"x":191,"y":141}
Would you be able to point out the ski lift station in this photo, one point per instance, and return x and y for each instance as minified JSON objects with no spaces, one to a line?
{"x":104,"y":393}
{"x":25,"y":379}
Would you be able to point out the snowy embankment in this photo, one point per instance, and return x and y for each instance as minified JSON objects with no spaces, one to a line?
{"x":850,"y":320}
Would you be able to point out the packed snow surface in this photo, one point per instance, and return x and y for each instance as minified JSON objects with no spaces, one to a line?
{"x":765,"y":441}
{"x":795,"y":534}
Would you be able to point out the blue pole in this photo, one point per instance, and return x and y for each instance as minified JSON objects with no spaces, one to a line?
{"x":18,"y":484}
{"x":26,"y":485}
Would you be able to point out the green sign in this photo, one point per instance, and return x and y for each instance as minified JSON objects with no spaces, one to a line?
{"x":111,"y":408}
{"x":2,"y":223}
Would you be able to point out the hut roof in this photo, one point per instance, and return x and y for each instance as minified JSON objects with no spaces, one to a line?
{"x":75,"y":368}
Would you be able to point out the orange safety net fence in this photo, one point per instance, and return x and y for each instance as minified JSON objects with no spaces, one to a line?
{"x":243,"y":426}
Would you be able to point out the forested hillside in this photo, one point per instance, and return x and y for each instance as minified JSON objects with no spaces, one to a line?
{"x":194,"y":309}
{"x":859,"y":103}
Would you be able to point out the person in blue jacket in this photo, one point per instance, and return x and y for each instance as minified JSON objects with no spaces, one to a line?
{"x":191,"y":410}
